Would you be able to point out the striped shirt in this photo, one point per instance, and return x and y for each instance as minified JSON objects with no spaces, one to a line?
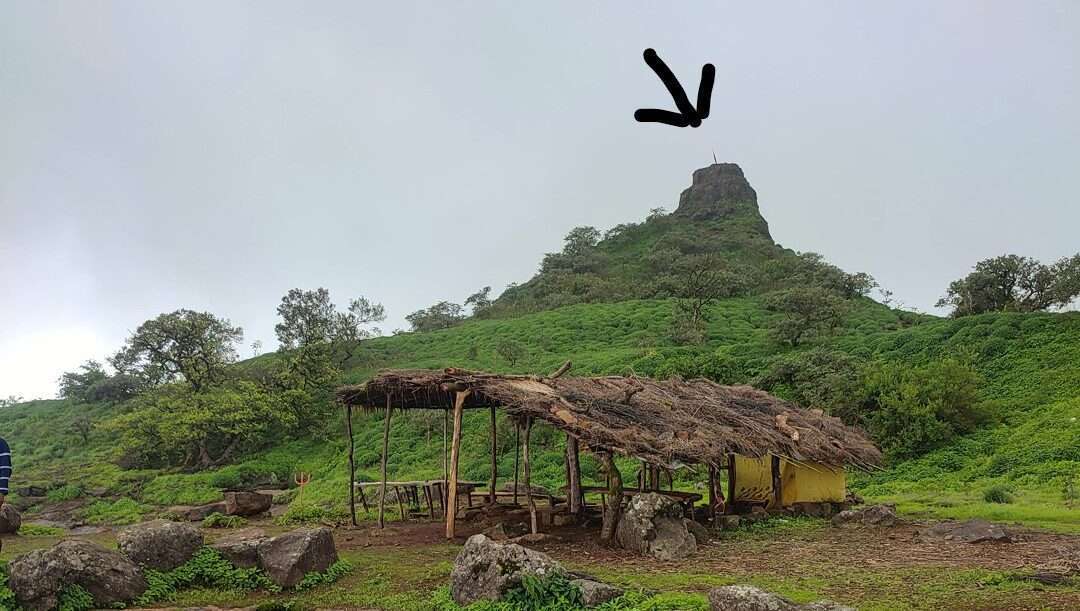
{"x":5,"y":466}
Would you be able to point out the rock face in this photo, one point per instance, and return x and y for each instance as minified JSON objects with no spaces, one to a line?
{"x":749,"y":598}
{"x":159,"y":544}
{"x":10,"y":520}
{"x":288,"y":557}
{"x":486,"y":570}
{"x":247,"y":503}
{"x":653,"y":525}
{"x":699,"y":532}
{"x":720,"y":192}
{"x":38,"y":576}
{"x":241,"y":548}
{"x":197,"y":514}
{"x":969,"y":531}
{"x":594,"y":593}
{"x":874,"y":515}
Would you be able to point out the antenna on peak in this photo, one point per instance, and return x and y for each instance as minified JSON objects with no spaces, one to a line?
{"x":714,"y":157}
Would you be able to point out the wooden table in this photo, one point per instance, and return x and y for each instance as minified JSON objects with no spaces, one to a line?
{"x":686,"y":499}
{"x":434,"y":491}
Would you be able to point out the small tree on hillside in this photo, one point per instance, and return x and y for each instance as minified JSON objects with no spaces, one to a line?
{"x":442,"y":315}
{"x":187,"y":345}
{"x":805,"y":311}
{"x":510,"y":350}
{"x":1012,"y":283}
{"x":76,"y":385}
{"x":480,"y":300}
{"x":355,"y":324}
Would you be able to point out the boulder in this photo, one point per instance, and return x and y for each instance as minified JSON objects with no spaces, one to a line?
{"x":241,"y":548}
{"x":506,"y":530}
{"x":875,"y":515}
{"x":38,"y":577}
{"x":196,"y":514}
{"x":241,"y":503}
{"x":749,"y":598}
{"x":10,"y":520}
{"x":594,"y":593}
{"x":653,"y":525}
{"x":31,"y":491}
{"x":727,"y":522}
{"x":160,"y":544}
{"x":699,"y":532}
{"x":287,"y":558}
{"x":969,"y":531}
{"x":486,"y":570}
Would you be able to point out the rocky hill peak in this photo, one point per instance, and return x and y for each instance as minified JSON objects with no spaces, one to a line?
{"x":721,"y":192}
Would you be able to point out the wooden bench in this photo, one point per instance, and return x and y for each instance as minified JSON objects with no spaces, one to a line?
{"x":434,"y":491}
{"x":686,"y":499}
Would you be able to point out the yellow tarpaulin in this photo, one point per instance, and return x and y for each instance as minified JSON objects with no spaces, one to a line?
{"x":799,"y":482}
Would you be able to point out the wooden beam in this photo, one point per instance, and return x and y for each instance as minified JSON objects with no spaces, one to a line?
{"x":517,"y":453}
{"x":385,"y":445}
{"x":494,"y":460}
{"x":455,"y":454}
{"x":613,"y":498}
{"x":400,"y":504}
{"x":528,"y":481}
{"x":776,"y":483}
{"x":561,"y":370}
{"x":573,"y":461}
{"x":731,"y":483}
{"x":352,"y":464}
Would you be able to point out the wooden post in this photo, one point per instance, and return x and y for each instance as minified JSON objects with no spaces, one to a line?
{"x":385,"y":445}
{"x":528,"y":482}
{"x":442,"y":488}
{"x":613,"y":499}
{"x":712,"y":493}
{"x":654,"y":476}
{"x":517,"y":452}
{"x":400,"y":504}
{"x":494,"y":463}
{"x":363,"y":497}
{"x":352,"y":464}
{"x":730,"y":483}
{"x":777,"y":494}
{"x":573,"y":461}
{"x":455,"y":454}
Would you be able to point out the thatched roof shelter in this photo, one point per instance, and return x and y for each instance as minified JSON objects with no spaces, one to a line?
{"x":671,"y":423}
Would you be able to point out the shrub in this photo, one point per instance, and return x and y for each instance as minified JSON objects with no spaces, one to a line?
{"x":305,"y":514}
{"x":118,"y":513}
{"x":219,"y":520}
{"x":64,"y":493}
{"x":75,"y":598}
{"x":37,"y":530}
{"x":998,"y":494}
{"x":332,"y":573}
{"x":206,"y":569}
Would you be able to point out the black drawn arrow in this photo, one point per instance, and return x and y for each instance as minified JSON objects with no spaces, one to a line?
{"x":687,"y":115}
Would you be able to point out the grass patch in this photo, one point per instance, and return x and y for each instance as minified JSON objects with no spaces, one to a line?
{"x":116,"y":513}
{"x":37,"y":530}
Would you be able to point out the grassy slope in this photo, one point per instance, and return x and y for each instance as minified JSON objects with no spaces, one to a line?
{"x":1031,"y":364}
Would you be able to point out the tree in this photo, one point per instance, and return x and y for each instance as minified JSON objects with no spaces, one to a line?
{"x":480,"y":300}
{"x":188,"y":345}
{"x":805,"y":310}
{"x":256,"y":346}
{"x":307,"y":318}
{"x":82,"y":426}
{"x":76,"y":385}
{"x":818,"y":378}
{"x":1011,"y":283}
{"x":510,"y":350}
{"x":442,"y":315}
{"x":11,"y":401}
{"x":354,"y":324}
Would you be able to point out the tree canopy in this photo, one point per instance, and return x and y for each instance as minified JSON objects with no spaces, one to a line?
{"x":1011,"y":283}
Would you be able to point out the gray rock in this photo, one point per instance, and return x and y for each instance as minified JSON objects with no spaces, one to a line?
{"x":749,"y":598}
{"x":38,"y":576}
{"x":197,"y":514}
{"x":720,"y":192}
{"x":725,"y":522}
{"x":486,"y":570}
{"x":653,"y":525}
{"x":242,"y":503}
{"x":10,"y":520}
{"x":969,"y":531}
{"x":699,"y":532}
{"x":241,"y":548}
{"x":506,"y":530}
{"x":875,"y":515}
{"x":594,"y":593}
{"x":159,"y":544}
{"x":288,"y":557}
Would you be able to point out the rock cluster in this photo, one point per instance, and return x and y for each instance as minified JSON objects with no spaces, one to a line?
{"x":487,"y":570}
{"x":653,"y":525}
{"x":112,"y":577}
{"x":874,"y":515}
{"x":749,"y":598}
{"x":968,"y":531}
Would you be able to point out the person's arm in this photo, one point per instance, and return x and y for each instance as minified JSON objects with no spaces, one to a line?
{"x":5,"y":469}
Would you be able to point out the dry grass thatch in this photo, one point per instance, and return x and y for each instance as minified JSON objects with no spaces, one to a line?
{"x":668,"y":422}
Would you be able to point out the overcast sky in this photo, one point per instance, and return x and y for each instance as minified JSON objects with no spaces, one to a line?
{"x":212,"y":155}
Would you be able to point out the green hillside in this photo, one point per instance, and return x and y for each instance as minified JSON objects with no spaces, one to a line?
{"x":978,"y":415}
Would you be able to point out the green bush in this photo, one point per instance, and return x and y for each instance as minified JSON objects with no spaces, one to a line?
{"x":220,"y":520}
{"x":117,"y":513}
{"x":305,"y":514}
{"x":64,"y":493}
{"x":998,"y":494}
{"x":75,"y":598}
{"x":7,"y":597}
{"x":37,"y":530}
{"x":206,"y":569}
{"x":334,"y":572}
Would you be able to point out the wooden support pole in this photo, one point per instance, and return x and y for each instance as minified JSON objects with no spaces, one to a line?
{"x":398,"y":492}
{"x":363,"y":497}
{"x":455,"y":454}
{"x":517,"y":453}
{"x":385,"y":447}
{"x":730,"y":483}
{"x":352,"y":464}
{"x":494,"y":460}
{"x":528,"y":482}
{"x":573,"y":461}
{"x":778,"y":497}
{"x":613,"y":498}
{"x":442,"y":487}
{"x":712,"y":493}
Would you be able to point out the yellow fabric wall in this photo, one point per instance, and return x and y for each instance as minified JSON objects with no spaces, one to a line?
{"x":800,"y":482}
